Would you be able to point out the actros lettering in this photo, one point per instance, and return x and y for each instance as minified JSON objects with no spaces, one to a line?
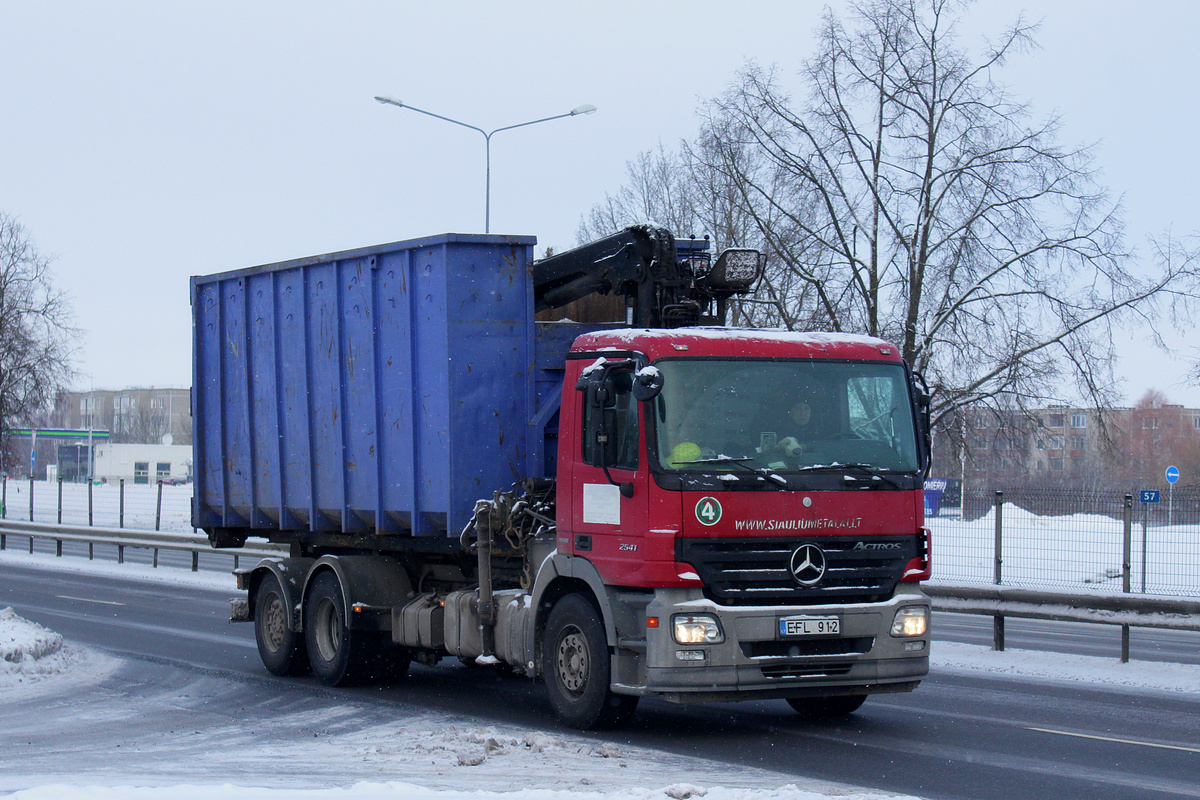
{"x":878,"y":546}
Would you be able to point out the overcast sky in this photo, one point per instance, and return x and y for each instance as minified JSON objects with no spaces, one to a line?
{"x":145,"y":142}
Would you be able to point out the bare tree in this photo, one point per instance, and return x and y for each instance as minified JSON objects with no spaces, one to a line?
{"x":140,"y":425}
{"x":923,"y":206}
{"x":1160,"y":433}
{"x":683,"y":192}
{"x":37,"y":334}
{"x":657,"y":191}
{"x":907,"y":195}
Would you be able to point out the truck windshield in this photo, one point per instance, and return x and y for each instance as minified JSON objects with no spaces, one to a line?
{"x":784,"y":415}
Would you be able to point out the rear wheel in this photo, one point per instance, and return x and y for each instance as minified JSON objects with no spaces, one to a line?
{"x":827,"y":707}
{"x":576,"y":668}
{"x":280,"y":648}
{"x":338,"y":655}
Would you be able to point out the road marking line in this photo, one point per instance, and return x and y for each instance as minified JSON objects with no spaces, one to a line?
{"x":88,"y":600}
{"x":1119,"y":741}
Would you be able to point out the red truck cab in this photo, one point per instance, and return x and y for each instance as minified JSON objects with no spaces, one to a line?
{"x":759,"y":493}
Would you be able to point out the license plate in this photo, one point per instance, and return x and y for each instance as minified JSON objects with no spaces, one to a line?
{"x":810,"y":626}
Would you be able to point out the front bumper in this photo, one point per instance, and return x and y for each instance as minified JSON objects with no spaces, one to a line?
{"x":756,"y":661}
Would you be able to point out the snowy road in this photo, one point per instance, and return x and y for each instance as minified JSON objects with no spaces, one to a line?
{"x":188,"y":701}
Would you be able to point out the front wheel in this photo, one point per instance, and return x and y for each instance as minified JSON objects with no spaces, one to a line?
{"x":576,"y":668}
{"x":818,"y":708}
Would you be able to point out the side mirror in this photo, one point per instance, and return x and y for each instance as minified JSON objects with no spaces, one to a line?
{"x":923,"y":400}
{"x":647,"y":383}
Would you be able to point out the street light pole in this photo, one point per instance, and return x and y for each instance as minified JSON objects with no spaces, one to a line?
{"x":487,"y":140}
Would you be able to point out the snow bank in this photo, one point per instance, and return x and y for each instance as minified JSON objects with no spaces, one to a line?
{"x":23,"y":643}
{"x":28,"y":652}
{"x":31,"y":654}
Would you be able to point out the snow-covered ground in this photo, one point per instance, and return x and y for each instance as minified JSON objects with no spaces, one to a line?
{"x":136,"y":504}
{"x":447,"y":759}
{"x":1075,"y":551}
{"x":451,"y":759}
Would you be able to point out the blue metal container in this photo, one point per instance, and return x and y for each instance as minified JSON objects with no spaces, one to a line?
{"x":380,"y":390}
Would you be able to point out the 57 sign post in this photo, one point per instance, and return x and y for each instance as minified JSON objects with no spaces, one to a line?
{"x":1146,"y":496}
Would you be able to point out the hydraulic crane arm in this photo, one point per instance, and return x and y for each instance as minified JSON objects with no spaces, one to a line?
{"x":664,"y":285}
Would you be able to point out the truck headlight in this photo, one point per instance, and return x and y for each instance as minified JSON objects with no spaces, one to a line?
{"x":697,"y":629}
{"x":911,"y":621}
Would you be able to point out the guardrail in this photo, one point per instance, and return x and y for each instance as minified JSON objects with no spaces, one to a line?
{"x":998,"y":602}
{"x":123,"y":538}
{"x":1126,"y":610}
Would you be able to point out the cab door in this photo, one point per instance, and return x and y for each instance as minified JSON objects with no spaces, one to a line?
{"x":609,"y":479}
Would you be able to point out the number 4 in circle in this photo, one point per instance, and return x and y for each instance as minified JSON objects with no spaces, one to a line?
{"x":708,"y":511}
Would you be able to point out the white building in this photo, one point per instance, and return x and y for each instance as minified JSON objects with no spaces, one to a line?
{"x":142,"y":463}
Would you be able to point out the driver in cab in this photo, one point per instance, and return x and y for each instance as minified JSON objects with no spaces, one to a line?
{"x":795,"y":433}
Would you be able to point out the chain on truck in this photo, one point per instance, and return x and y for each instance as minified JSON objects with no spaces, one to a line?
{"x":653,"y":506}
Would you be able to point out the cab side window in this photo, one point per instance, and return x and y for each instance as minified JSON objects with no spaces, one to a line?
{"x":616,"y":422}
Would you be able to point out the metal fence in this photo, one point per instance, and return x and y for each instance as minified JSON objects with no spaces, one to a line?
{"x":1071,"y":539}
{"x":1055,"y":539}
{"x":146,"y":506}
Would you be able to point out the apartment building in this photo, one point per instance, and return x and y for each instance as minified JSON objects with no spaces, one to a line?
{"x":141,"y":415}
{"x":1069,"y":445}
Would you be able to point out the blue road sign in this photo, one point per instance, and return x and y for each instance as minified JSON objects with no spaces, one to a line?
{"x":1172,"y":474}
{"x":1148,"y":495}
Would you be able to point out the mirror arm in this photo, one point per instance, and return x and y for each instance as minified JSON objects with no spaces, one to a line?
{"x":625,"y":487}
{"x":601,"y":442}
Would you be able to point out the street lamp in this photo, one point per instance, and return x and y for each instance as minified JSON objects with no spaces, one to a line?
{"x":487,"y":138}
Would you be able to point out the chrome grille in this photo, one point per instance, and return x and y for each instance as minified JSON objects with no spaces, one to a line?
{"x":742,"y":571}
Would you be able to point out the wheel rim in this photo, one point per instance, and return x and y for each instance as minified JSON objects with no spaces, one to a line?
{"x":328,"y":630}
{"x":273,"y":623}
{"x":573,"y":661}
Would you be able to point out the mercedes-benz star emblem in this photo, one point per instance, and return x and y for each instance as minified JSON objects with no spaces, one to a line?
{"x":808,"y":565}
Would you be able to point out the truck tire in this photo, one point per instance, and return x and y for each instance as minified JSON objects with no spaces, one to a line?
{"x":280,"y":648}
{"x":576,"y":668}
{"x":338,"y":655}
{"x":818,"y":708}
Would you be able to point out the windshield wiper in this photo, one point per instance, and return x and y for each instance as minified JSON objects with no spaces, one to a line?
{"x":739,"y":461}
{"x":875,"y":472}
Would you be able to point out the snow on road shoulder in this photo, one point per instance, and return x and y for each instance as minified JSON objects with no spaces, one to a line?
{"x":391,"y":791}
{"x":203,"y":579}
{"x":33,"y":655}
{"x":1076,"y":669}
